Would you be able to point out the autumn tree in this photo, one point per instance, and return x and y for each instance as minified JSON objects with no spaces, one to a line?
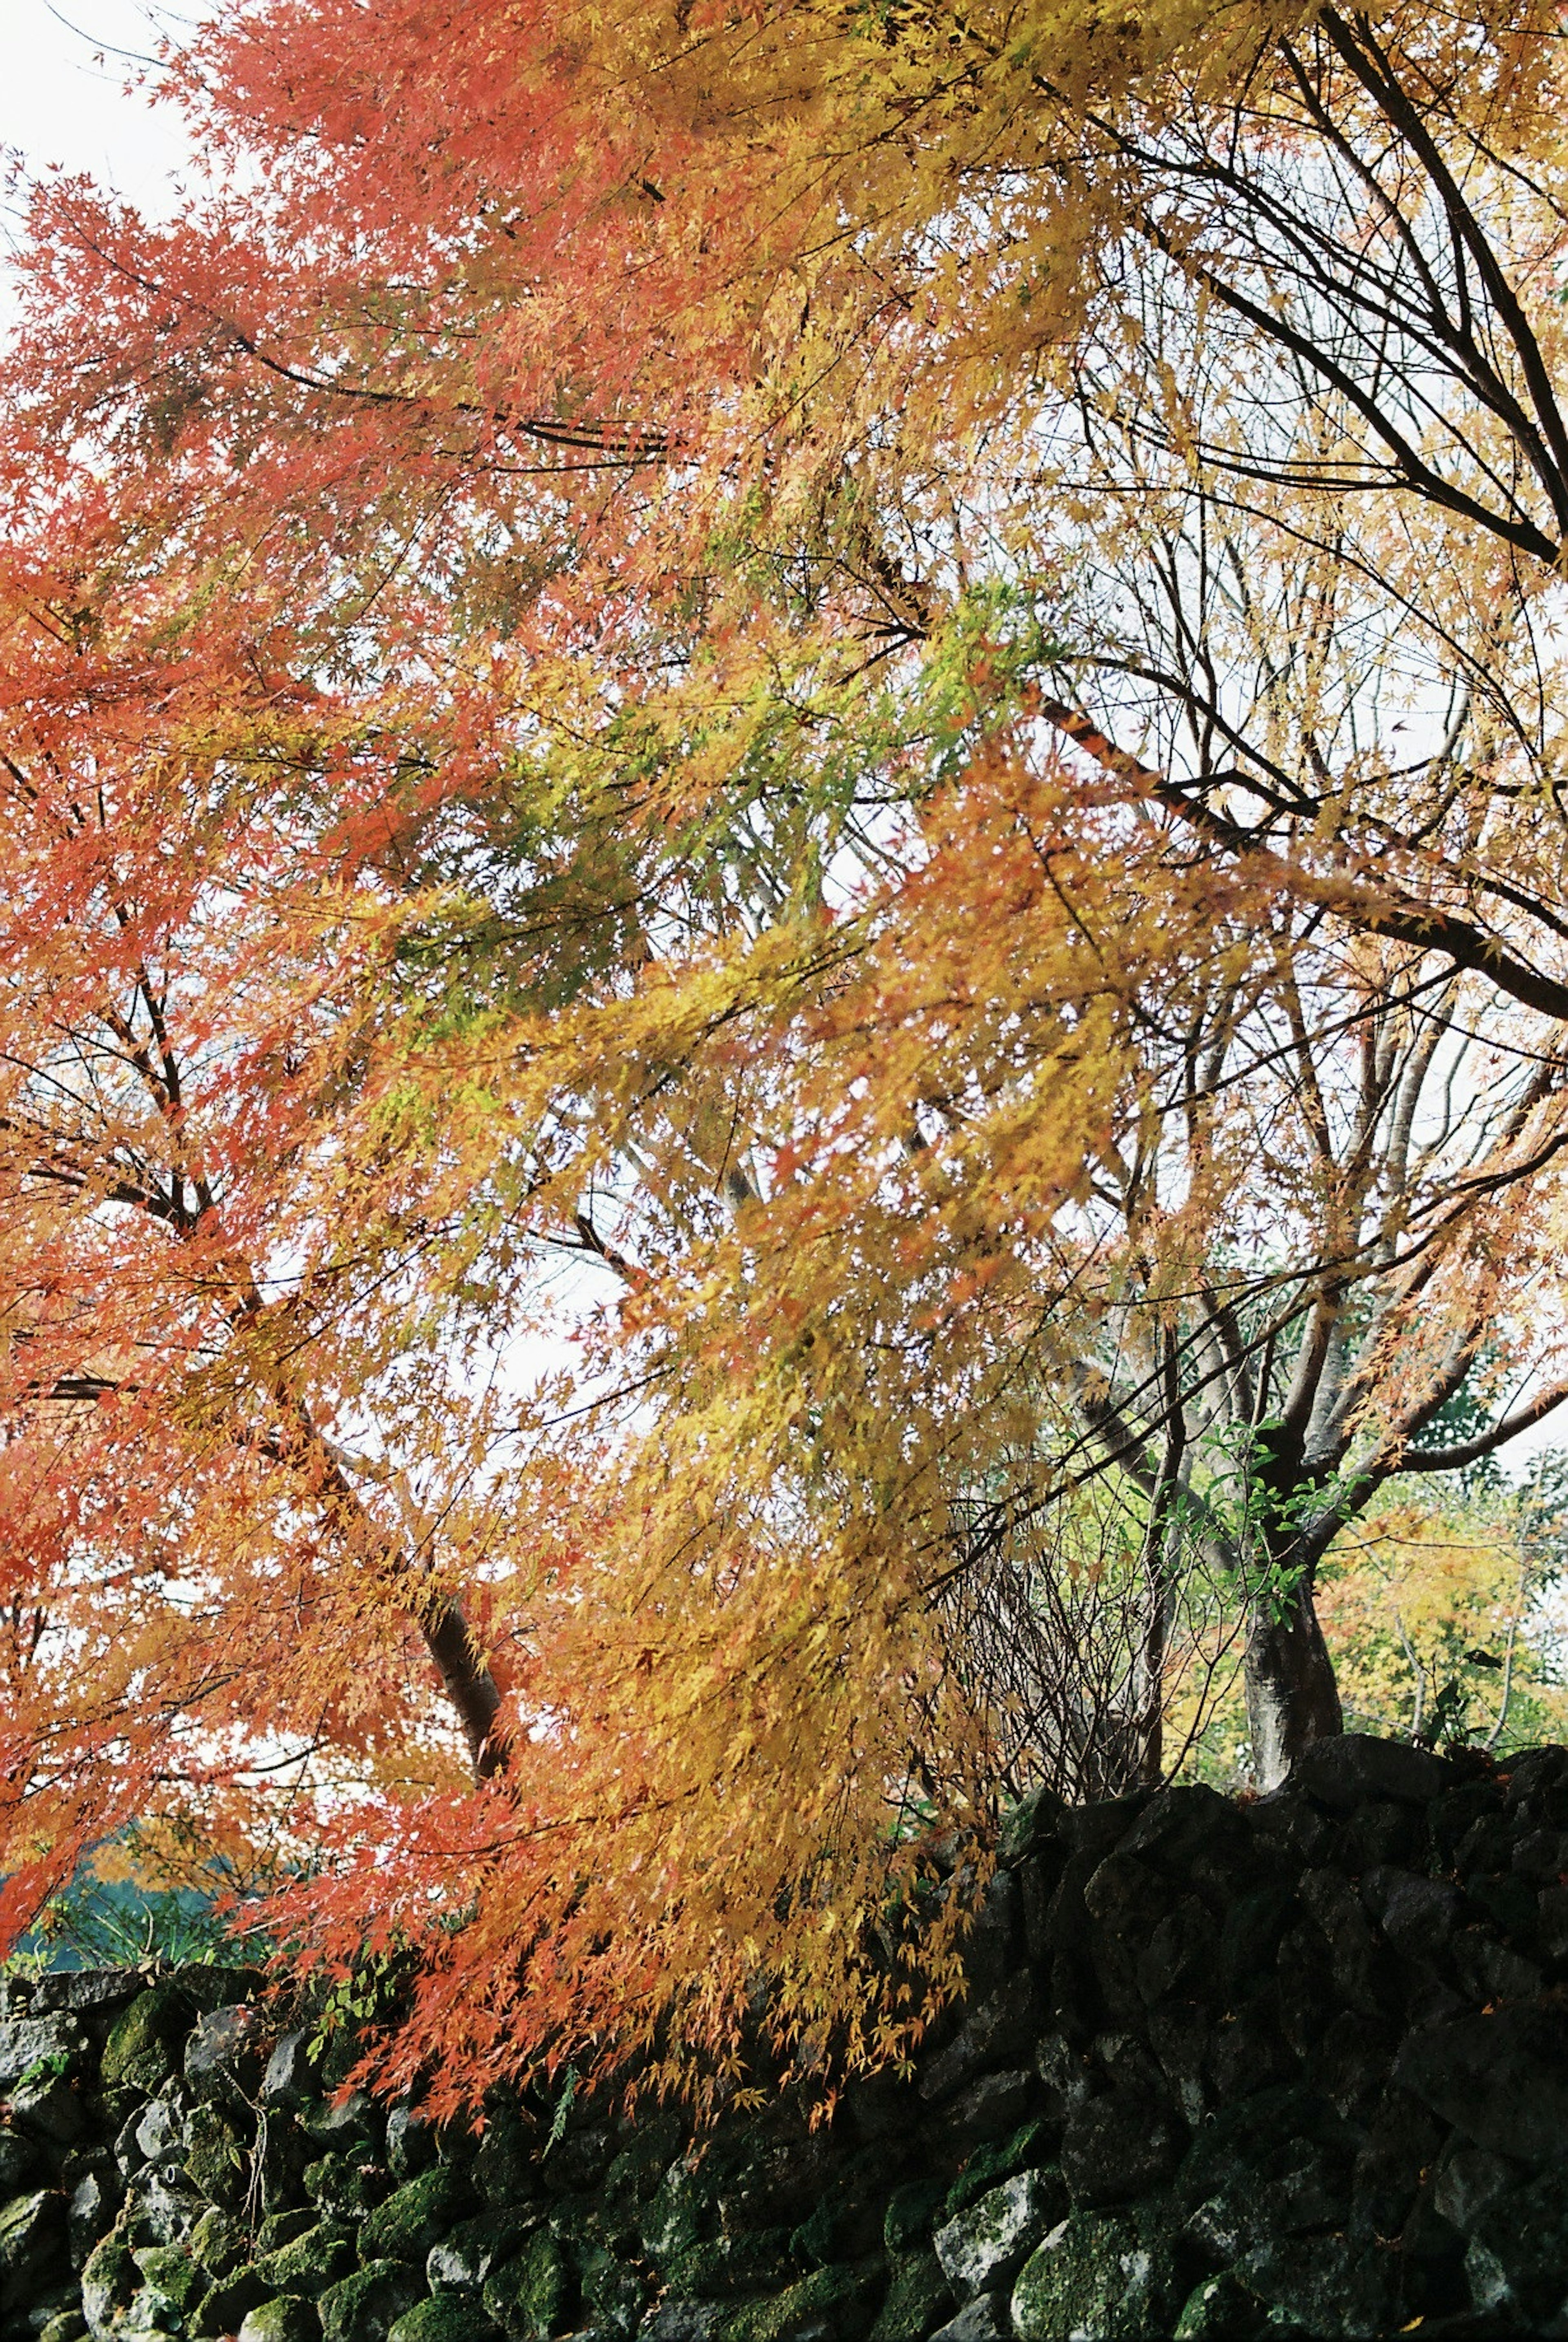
{"x":744,"y":659}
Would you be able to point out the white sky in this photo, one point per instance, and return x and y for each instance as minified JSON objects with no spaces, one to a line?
{"x":63,"y":98}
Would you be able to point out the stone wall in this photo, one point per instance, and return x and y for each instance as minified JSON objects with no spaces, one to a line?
{"x":1298,"y":2067}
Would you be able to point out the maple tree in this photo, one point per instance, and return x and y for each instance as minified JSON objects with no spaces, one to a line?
{"x":881,"y":690}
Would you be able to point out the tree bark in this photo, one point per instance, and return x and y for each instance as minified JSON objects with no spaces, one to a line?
{"x":1291,"y":1696}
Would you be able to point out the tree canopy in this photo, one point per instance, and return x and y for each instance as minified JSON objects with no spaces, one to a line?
{"x":781,"y":799}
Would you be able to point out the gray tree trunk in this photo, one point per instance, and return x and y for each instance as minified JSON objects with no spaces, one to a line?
{"x":1291,"y":1696}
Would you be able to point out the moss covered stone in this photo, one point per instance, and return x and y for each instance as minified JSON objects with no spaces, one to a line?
{"x":219,"y":2242}
{"x":280,"y":2228}
{"x":443,"y":2319}
{"x":349,"y":2184}
{"x":465,"y":2256}
{"x":216,"y":2160}
{"x":172,"y":2271}
{"x":366,"y":2307}
{"x":18,"y":2160}
{"x":1028,"y":2146}
{"x":911,"y":2214}
{"x":530,"y":2296}
{"x":836,"y":2305}
{"x":286,"y":2318}
{"x":758,"y":2263}
{"x":1095,"y":2275}
{"x":66,"y":2325}
{"x":228,"y":2305}
{"x":613,"y":2294}
{"x":32,"y":2241}
{"x":310,"y":2262}
{"x":145,"y":2040}
{"x":108,"y":2281}
{"x":1221,"y":2309}
{"x":415,"y":2216}
{"x":918,"y":2298}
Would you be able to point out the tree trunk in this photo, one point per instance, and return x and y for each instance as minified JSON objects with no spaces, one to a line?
{"x":1291,"y":1696}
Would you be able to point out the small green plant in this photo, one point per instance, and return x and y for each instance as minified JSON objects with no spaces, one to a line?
{"x":368,"y":1995}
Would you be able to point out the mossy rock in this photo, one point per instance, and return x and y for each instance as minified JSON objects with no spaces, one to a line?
{"x":286,"y":2318}
{"x":758,"y":2263}
{"x":416,"y":2215}
{"x":1221,"y":2309}
{"x":173,"y":2272}
{"x":918,"y":2298}
{"x":466,"y":2254}
{"x":911,"y":2215}
{"x":66,"y":2325}
{"x":837,"y":2303}
{"x":1095,"y":2274}
{"x":280,"y":2228}
{"x":989,"y":2165}
{"x":366,"y":2307}
{"x":530,"y":2297}
{"x":219,"y":2242}
{"x":443,"y":2319}
{"x":505,"y":2167}
{"x":216,"y":2158}
{"x":228,"y":2305}
{"x":109,"y":2278}
{"x":18,"y":2161}
{"x":349,"y":2184}
{"x":145,"y":2041}
{"x":32,"y":2244}
{"x":319,"y":2256}
{"x":614,"y":2296}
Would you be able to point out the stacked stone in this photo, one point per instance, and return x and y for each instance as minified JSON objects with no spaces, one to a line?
{"x":1297,"y":2066}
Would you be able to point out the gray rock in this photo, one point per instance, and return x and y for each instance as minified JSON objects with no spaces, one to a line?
{"x":415,"y":2216}
{"x":32,"y":2245}
{"x":66,"y":2325}
{"x":999,"y":2030}
{"x":1518,"y":2254}
{"x":410,"y":2143}
{"x":28,"y":2041}
{"x":82,"y":1990}
{"x":986,"y":2319}
{"x":983,"y":2248}
{"x":682,"y":2321}
{"x":49,"y":2105}
{"x":165,"y":2207}
{"x":1500,"y":2079}
{"x":1181,"y":1955}
{"x":128,"y":2156}
{"x":1417,"y":1915}
{"x":18,"y":2161}
{"x":1343,"y":1773}
{"x":222,"y":2055}
{"x":990,"y":2108}
{"x":465,"y":2258}
{"x":445,"y":2319}
{"x":1324,"y":2286}
{"x":1468,"y":2179}
{"x":1118,"y":2146}
{"x":159,"y":2131}
{"x":290,"y":2078}
{"x":1489,"y":1971}
{"x":1030,"y":1823}
{"x":90,"y":2213}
